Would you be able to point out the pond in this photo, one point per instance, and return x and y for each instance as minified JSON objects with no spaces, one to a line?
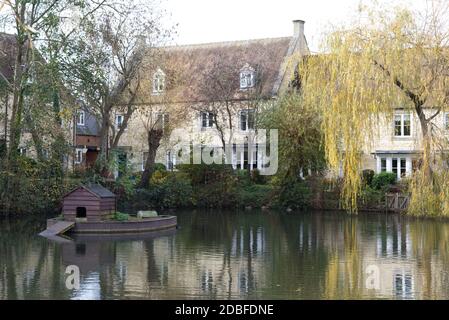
{"x":235,"y":255}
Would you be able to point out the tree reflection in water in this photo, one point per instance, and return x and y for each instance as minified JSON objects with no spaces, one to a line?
{"x":226,"y":255}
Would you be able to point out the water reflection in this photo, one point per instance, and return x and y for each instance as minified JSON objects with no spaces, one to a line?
{"x":226,"y":255}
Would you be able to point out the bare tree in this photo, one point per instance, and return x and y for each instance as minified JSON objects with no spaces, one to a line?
{"x":110,"y":52}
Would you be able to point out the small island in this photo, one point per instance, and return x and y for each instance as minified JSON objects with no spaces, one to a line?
{"x":91,"y":208}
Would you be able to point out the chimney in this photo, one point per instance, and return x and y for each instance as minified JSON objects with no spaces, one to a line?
{"x":298,"y":28}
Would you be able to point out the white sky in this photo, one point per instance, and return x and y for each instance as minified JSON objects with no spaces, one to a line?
{"x":203,"y":21}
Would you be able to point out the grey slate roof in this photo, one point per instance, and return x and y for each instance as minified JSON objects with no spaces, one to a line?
{"x":91,"y":126}
{"x":99,"y":190}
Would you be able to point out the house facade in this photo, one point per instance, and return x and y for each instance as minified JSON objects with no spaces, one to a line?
{"x":397,"y":142}
{"x":209,"y":95}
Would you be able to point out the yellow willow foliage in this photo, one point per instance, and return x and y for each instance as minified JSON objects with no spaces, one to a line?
{"x":380,"y":64}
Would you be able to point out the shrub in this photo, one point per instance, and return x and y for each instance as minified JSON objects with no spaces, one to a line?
{"x":176,"y":192}
{"x":383,"y":180}
{"x":255,"y":195}
{"x":367,"y":176}
{"x":371,"y":197}
{"x":294,"y":195}
{"x":119,"y":216}
{"x":159,"y":167}
{"x":201,"y":174}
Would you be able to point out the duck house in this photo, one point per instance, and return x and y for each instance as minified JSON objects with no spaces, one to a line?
{"x":91,"y":202}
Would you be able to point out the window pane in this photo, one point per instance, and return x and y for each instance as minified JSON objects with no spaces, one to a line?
{"x":204,"y":119}
{"x":211,"y":119}
{"x":395,"y":165}
{"x":407,"y":131}
{"x":397,"y":125}
{"x":403,"y":167}
{"x":251,"y":119}
{"x":383,"y":165}
{"x":243,"y":119}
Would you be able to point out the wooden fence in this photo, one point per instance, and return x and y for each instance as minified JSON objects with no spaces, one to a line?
{"x":396,"y":202}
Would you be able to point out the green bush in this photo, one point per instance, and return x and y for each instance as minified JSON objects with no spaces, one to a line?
{"x":383,"y":180}
{"x":367,"y":176}
{"x":371,"y":198}
{"x":176,"y":192}
{"x":255,"y":195}
{"x":119,"y":216}
{"x":294,"y":195}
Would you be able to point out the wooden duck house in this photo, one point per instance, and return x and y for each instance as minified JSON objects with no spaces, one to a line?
{"x":91,"y":202}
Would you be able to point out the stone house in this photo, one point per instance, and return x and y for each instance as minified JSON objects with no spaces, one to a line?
{"x":209,"y":94}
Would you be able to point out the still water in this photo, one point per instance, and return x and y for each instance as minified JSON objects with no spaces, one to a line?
{"x":229,"y":255}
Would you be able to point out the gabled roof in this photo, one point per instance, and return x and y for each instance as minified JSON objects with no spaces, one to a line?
{"x":97,"y":190}
{"x":190,"y":69}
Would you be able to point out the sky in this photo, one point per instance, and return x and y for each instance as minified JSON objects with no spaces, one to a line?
{"x":203,"y":21}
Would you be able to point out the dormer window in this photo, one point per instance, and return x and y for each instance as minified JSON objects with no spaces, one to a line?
{"x":247,"y":77}
{"x":158,"y":82}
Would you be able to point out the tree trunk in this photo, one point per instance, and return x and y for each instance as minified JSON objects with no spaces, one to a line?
{"x":426,"y":141}
{"x":154,"y":140}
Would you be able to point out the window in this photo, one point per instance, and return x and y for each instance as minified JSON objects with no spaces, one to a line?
{"x":247,"y":77}
{"x":446,"y":120}
{"x":383,"y":165}
{"x":80,"y":118}
{"x":403,"y":285}
{"x":119,"y":120}
{"x":78,"y":156}
{"x":395,"y":165}
{"x":207,"y":119}
{"x":403,"y":168}
{"x":46,"y":153}
{"x":158,"y":82}
{"x":247,"y":120}
{"x":162,"y":121}
{"x":399,"y":167}
{"x":402,"y":125}
{"x":171,"y":160}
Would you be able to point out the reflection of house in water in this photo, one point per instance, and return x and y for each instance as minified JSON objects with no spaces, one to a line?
{"x":89,"y":255}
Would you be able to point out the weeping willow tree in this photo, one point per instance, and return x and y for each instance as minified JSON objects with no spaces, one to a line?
{"x":387,"y":59}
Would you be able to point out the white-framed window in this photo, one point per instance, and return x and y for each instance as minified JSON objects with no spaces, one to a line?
{"x":162,"y":120}
{"x":247,"y":119}
{"x":403,"y":285}
{"x":46,"y":153}
{"x":383,"y":165}
{"x":400,"y":165}
{"x":402,"y":125}
{"x":158,"y":82}
{"x":207,"y":119}
{"x":446,"y":121}
{"x":247,"y":77}
{"x":23,"y":151}
{"x":119,"y":120}
{"x":78,"y":156}
{"x":81,"y":118}
{"x":171,"y":160}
